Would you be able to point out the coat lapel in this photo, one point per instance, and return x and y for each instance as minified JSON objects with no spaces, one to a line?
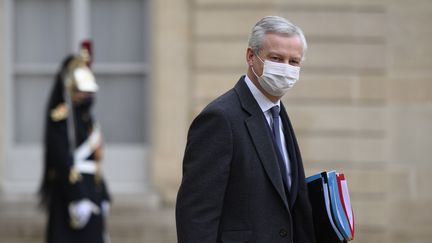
{"x":293,"y":153}
{"x":266,"y":153}
{"x":261,"y":138}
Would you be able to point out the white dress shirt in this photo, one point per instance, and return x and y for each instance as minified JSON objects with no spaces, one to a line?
{"x":265,"y":104}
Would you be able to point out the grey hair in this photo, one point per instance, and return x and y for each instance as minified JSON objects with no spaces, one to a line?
{"x":277,"y":25}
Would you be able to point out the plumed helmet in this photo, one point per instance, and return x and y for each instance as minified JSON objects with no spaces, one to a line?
{"x":79,"y":76}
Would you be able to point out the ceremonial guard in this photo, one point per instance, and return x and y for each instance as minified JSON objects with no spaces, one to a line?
{"x":73,"y":190}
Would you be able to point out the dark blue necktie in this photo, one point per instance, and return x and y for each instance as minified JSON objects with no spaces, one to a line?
{"x":275,"y":110}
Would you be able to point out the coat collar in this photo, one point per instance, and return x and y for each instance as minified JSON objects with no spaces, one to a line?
{"x":262,"y":141}
{"x":293,"y":153}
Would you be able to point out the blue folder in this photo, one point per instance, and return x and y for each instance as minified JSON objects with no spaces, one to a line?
{"x":331,"y":221}
{"x":341,"y":219}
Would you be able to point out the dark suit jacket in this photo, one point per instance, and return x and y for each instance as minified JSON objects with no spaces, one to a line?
{"x":232,"y":189}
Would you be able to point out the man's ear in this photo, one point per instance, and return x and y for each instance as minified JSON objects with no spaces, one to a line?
{"x":249,"y":56}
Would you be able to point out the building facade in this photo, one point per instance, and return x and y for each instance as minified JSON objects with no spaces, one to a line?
{"x":363,"y":104}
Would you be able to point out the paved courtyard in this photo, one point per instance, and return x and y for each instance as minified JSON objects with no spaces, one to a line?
{"x":129,"y":222}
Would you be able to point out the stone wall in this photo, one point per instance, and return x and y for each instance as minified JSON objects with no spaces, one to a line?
{"x":363,"y":104}
{"x":2,"y":92}
{"x":409,"y":98}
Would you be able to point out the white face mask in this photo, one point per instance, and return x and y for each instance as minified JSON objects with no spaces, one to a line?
{"x":278,"y":78}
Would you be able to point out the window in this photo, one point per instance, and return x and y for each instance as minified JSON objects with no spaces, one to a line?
{"x":41,"y":33}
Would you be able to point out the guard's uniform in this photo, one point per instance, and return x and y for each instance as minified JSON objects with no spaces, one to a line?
{"x":72,"y":175}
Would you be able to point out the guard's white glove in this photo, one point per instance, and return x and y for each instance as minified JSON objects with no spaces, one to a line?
{"x":105,"y":208}
{"x":81,"y":211}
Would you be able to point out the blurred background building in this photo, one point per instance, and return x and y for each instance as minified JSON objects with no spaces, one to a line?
{"x":363,"y":104}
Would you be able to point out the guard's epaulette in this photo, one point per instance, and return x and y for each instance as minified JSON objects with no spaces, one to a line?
{"x":74,"y":176}
{"x":59,"y":113}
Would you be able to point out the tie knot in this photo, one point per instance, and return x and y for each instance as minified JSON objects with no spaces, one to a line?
{"x":275,"y":111}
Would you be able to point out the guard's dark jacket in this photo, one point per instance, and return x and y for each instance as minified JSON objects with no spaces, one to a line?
{"x":232,"y":189}
{"x":58,"y":189}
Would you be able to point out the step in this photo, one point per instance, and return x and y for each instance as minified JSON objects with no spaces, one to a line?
{"x":132,"y":220}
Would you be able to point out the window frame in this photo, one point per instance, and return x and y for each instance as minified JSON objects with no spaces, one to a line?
{"x":18,"y":178}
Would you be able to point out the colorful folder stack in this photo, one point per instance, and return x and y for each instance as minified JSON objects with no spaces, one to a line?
{"x":332,"y":212}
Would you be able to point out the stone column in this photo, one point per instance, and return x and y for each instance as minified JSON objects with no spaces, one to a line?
{"x":170,"y":93}
{"x":2,"y":94}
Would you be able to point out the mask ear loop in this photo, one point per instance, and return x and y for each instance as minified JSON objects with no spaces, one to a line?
{"x":260,"y":59}
{"x":254,"y":72}
{"x":253,"y":68}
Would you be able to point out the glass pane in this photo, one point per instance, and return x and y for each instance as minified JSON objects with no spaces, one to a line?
{"x":117,"y":29}
{"x":41,"y":31}
{"x":31,"y":98}
{"x":121,"y":108}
